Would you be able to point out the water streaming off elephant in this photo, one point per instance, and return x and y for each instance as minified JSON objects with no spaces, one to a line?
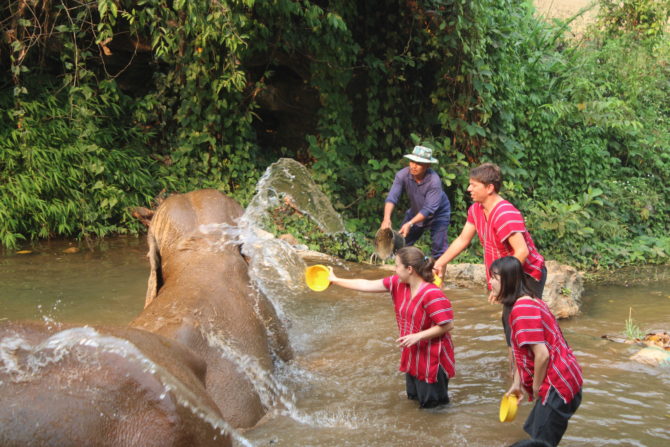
{"x":343,"y":388}
{"x":24,"y":361}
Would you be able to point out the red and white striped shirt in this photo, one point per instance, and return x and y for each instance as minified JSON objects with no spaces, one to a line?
{"x":532,"y":323}
{"x":494,"y":232}
{"x":428,"y":308}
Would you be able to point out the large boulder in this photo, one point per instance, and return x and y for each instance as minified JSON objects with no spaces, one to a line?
{"x":562,"y":291}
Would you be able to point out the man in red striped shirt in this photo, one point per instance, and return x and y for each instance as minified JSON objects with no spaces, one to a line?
{"x":501,"y":230}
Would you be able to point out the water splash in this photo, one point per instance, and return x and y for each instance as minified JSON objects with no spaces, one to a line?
{"x":275,"y":395}
{"x":275,"y":266}
{"x":270,"y":390}
{"x":22,"y":362}
{"x":276,"y":271}
{"x":48,"y":316}
{"x":289,"y":180}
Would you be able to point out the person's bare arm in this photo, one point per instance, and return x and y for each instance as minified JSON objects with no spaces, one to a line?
{"x":362,"y":285}
{"x":515,"y":389}
{"x":519,"y":246}
{"x":457,"y":246}
{"x":541,"y":354}
{"x":404,"y":230}
{"x":388,"y":211}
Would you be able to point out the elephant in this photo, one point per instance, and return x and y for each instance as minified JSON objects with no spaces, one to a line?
{"x":102,"y":386}
{"x":199,"y":293}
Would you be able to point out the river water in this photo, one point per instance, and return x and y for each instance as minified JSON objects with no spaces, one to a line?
{"x":343,"y":387}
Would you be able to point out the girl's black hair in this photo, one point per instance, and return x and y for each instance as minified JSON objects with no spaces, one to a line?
{"x":422,"y":265}
{"x":513,"y":280}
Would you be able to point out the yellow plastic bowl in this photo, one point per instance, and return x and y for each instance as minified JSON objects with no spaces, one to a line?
{"x":316,"y":277}
{"x":508,"y":406}
{"x":437,"y":281}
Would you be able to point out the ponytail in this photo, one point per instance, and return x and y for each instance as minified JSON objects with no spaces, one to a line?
{"x":422,"y":265}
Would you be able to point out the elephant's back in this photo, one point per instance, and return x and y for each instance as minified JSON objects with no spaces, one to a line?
{"x":181,"y":215}
{"x":213,"y":207}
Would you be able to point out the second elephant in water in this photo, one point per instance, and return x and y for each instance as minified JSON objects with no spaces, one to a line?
{"x":102,"y":386}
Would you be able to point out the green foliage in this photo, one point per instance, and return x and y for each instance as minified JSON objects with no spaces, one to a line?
{"x":349,"y":246}
{"x":643,"y":18}
{"x":106,"y":102}
{"x":632,"y":331}
{"x":56,"y":175}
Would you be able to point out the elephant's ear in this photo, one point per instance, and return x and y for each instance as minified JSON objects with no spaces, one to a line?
{"x":156,"y":274}
{"x":142,"y":214}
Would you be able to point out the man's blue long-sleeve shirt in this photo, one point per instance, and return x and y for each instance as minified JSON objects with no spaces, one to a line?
{"x":426,"y":197}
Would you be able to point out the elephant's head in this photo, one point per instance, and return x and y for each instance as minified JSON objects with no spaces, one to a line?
{"x":175,"y":227}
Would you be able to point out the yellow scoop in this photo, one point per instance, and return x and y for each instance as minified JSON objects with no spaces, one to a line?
{"x":508,"y":406}
{"x":316,"y":277}
{"x":437,"y":281}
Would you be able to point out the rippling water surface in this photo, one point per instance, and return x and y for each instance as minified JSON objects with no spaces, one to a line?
{"x":100,"y":284}
{"x":344,"y":385}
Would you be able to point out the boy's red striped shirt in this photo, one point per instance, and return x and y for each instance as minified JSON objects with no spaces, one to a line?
{"x":494,"y":232}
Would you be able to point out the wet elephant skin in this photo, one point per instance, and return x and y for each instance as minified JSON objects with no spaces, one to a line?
{"x":88,"y":395}
{"x":199,"y":288}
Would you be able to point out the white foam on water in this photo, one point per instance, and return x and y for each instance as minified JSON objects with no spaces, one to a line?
{"x":274,"y":394}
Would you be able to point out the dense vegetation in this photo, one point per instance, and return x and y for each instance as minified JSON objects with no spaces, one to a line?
{"x":106,"y":103}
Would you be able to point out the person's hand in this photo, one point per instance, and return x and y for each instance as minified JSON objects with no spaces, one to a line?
{"x":404,"y":230}
{"x":536,"y":392}
{"x":331,"y":275}
{"x":439,"y":268}
{"x":386,"y":223}
{"x":408,"y":340}
{"x":515,"y":390}
{"x":493,"y":299}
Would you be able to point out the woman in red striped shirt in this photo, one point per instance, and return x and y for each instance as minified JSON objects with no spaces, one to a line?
{"x":425,"y":317}
{"x":546,"y":369}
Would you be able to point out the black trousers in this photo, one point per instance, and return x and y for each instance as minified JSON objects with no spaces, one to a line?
{"x":429,"y":395}
{"x":548,"y":422}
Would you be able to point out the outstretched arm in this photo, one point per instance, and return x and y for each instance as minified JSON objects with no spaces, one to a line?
{"x":458,"y":245}
{"x":362,"y":285}
{"x":391,"y":199}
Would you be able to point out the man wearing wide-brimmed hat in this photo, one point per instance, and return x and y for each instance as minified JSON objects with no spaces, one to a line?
{"x":429,"y":205}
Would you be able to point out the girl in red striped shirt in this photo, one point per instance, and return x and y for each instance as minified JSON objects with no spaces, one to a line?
{"x":425,"y":317}
{"x":546,"y":369}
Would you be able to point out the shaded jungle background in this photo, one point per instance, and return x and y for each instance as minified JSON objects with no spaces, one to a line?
{"x":107,"y":104}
